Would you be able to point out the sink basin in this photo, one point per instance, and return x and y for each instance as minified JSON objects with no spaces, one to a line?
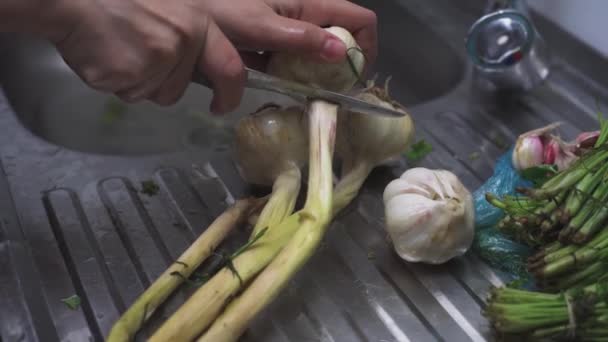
{"x":423,"y":67}
{"x":53,"y":103}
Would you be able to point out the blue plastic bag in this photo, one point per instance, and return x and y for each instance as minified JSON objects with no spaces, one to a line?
{"x":490,"y":244}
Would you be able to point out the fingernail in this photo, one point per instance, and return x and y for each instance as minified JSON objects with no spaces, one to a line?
{"x":333,"y":49}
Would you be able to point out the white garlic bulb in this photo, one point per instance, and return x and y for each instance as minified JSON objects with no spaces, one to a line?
{"x":270,"y":141}
{"x":429,"y":216}
{"x":338,"y":77}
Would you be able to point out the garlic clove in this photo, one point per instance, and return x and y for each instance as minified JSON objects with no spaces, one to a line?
{"x":427,"y":180}
{"x":401,"y":186}
{"x":528,"y":152}
{"x":587,"y":139}
{"x":551,"y":152}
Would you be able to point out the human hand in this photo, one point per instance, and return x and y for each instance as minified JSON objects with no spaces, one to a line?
{"x":295,"y":25}
{"x":149,"y":49}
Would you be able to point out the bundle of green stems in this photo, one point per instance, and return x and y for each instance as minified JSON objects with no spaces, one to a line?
{"x":579,"y":314}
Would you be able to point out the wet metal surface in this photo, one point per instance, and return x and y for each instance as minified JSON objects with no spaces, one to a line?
{"x":74,"y":220}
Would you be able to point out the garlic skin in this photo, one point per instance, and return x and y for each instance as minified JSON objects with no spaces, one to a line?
{"x":338,"y":77}
{"x":528,"y":152}
{"x":429,"y":216}
{"x":530,"y":147}
{"x":376,"y":139}
{"x":270,"y":141}
{"x":586,"y":140}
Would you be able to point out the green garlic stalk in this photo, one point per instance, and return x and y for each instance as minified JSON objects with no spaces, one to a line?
{"x":313,"y":219}
{"x":131,"y":321}
{"x":271,"y":148}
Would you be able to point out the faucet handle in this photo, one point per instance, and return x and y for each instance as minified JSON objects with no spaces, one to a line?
{"x":500,"y":39}
{"x":505,"y":48}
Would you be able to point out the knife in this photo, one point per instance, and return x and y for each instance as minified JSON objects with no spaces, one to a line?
{"x":303,"y":93}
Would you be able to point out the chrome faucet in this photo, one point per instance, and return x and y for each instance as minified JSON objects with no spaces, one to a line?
{"x":505,"y":48}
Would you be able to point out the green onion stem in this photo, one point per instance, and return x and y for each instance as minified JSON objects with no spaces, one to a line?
{"x":585,"y":186}
{"x":577,"y":312}
{"x":570,"y":177}
{"x":599,"y":196}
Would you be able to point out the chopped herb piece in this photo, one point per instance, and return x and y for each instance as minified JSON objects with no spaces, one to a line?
{"x":114,"y":110}
{"x":538,"y":175}
{"x":149,"y":187}
{"x":72,"y":302}
{"x":418,"y":151}
{"x":371,"y":255}
{"x":474,"y":156}
{"x":249,"y":244}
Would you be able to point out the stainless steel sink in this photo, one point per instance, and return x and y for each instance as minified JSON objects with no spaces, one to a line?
{"x":73,"y":219}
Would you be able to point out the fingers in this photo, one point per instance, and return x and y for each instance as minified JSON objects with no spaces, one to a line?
{"x":212,"y":53}
{"x":278,"y":33}
{"x":222,"y":64}
{"x":174,"y":86}
{"x":361,"y":22}
{"x":144,"y":89}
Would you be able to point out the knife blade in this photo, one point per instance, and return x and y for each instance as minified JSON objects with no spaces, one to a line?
{"x":303,"y":93}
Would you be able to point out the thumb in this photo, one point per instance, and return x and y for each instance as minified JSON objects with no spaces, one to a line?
{"x":284,"y":34}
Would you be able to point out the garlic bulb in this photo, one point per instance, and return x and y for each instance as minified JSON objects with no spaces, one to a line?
{"x":373,"y":138}
{"x":429,"y":216}
{"x":270,"y":141}
{"x":338,"y":77}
